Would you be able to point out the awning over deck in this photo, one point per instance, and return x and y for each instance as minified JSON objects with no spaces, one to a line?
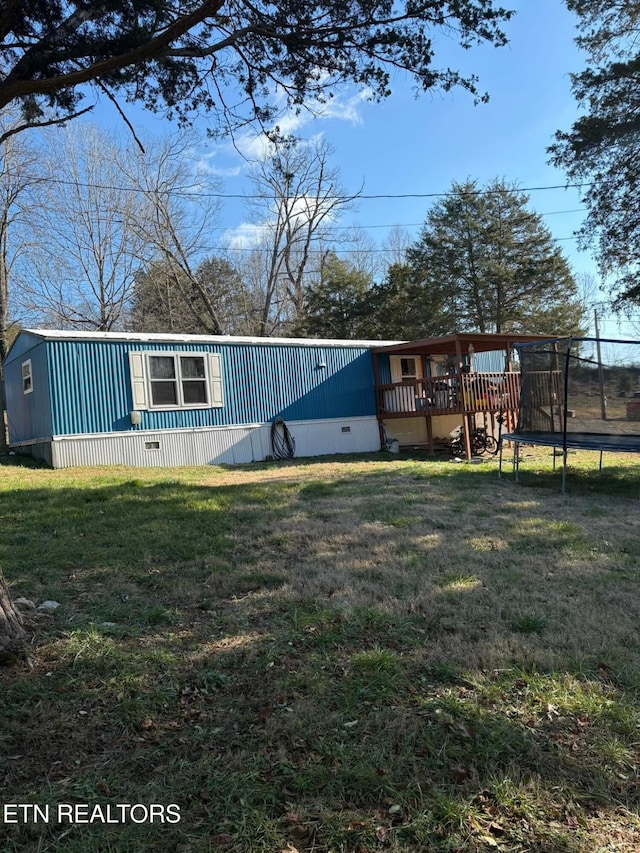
{"x":459,"y":343}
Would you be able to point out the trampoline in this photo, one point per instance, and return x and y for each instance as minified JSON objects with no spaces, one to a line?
{"x":579,"y":394}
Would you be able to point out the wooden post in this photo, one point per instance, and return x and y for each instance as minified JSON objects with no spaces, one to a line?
{"x":467,"y":436}
{"x":462,"y":392}
{"x":458,"y":354}
{"x":428,"y":417}
{"x":376,"y":383}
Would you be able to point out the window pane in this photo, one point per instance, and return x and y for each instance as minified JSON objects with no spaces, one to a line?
{"x":194,"y":392}
{"x":162,"y":367}
{"x":164,"y":394}
{"x":408,"y":367}
{"x":26,"y":376}
{"x":192,"y":367}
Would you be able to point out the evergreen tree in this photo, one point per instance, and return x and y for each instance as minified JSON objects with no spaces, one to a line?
{"x":346,"y":304}
{"x":338,"y":306}
{"x":209,"y":55}
{"x":601,"y":149}
{"x":409,"y":304}
{"x":165,"y":299}
{"x":488,"y":264}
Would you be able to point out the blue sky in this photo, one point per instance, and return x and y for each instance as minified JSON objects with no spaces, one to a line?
{"x":420,"y":145}
{"x":408,"y":145}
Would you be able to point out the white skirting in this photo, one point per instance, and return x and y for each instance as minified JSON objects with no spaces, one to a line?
{"x":220,"y":445}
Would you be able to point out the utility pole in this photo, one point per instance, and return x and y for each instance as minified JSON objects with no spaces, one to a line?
{"x":603,"y":399}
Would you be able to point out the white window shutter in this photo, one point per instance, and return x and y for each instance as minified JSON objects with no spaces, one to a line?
{"x":215,"y":380}
{"x":138,"y":384}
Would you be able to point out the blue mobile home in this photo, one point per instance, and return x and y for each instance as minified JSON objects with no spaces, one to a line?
{"x":111,"y":398}
{"x":92,"y":398}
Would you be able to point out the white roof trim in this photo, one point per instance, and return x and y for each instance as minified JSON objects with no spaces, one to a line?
{"x":154,"y":337}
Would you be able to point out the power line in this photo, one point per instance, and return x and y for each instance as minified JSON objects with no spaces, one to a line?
{"x":190,"y":191}
{"x":256,"y":249}
{"x":357,"y":226}
{"x":475,"y":192}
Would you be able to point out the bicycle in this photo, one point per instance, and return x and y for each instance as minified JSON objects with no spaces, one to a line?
{"x":480,"y":442}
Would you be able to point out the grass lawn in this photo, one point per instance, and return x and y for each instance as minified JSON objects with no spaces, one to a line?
{"x":376,"y":653}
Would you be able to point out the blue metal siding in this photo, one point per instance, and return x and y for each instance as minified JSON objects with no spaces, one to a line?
{"x":384,"y":368}
{"x":489,"y":362}
{"x":29,"y":415}
{"x":91,"y":385}
{"x":22,"y":344}
{"x":483,"y":362}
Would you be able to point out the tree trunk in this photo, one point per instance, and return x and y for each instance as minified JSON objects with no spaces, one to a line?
{"x":12,"y":632}
{"x":4,"y":323}
{"x":4,"y":438}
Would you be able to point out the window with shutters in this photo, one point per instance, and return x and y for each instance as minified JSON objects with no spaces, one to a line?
{"x":173,"y":380}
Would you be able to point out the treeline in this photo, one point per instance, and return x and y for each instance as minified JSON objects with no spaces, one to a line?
{"x":482,"y":262}
{"x":103,"y":236}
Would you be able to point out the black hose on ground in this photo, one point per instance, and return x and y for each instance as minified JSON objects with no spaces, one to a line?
{"x":283,"y":444}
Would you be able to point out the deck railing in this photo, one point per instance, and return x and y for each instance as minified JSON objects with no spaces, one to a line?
{"x":460,"y":393}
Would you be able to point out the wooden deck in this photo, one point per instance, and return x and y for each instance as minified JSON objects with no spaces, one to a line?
{"x":460,"y":393}
{"x":479,"y":399}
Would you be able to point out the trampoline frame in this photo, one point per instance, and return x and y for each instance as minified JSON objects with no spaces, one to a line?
{"x":618,"y":443}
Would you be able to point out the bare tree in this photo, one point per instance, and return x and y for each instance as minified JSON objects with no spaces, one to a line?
{"x":590,"y":292}
{"x":356,"y":247}
{"x":112,"y":213}
{"x":394,"y":249}
{"x":181,"y":207}
{"x":81,"y":271}
{"x":296,"y":196}
{"x":19,"y":174}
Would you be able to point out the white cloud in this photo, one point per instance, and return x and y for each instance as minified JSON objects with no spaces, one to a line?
{"x":205,"y":165}
{"x":255,"y":146}
{"x":250,"y":235}
{"x":222,"y":160}
{"x":247,"y":235}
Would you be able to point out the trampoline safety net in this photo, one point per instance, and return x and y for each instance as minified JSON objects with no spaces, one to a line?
{"x":588,"y":387}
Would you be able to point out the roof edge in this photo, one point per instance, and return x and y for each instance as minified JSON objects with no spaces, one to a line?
{"x":158,"y":337}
